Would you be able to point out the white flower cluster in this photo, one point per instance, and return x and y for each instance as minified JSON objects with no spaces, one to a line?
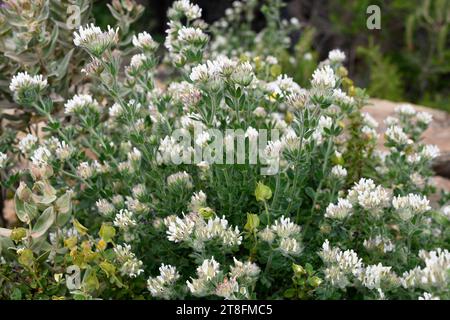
{"x":410,"y":205}
{"x":396,"y":135}
{"x":210,"y":280}
{"x":198,"y":200}
{"x":181,"y":178}
{"x":379,"y":243}
{"x":221,"y":68}
{"x":162,"y":285}
{"x":195,"y":230}
{"x":94,"y":40}
{"x":339,"y":211}
{"x":104,"y":207}
{"x":344,"y":266}
{"x":80,"y":104}
{"x":169,"y":148}
{"x":324,"y":78}
{"x":283,"y":86}
{"x":286,"y":233}
{"x":339,"y":172}
{"x":63,"y":150}
{"x":191,"y":35}
{"x":435,"y":274}
{"x":206,"y":272}
{"x":145,"y":42}
{"x":341,"y":97}
{"x":369,"y":196}
{"x":130,"y":265}
{"x":428,"y":296}
{"x":41,"y":156}
{"x":23,"y":82}
{"x":377,"y":276}
{"x":336,"y":56}
{"x":184,"y":8}
{"x":340,"y":264}
{"x":27,"y":143}
{"x":124,"y":219}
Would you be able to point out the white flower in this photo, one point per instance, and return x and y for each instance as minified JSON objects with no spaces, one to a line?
{"x":202,"y":139}
{"x":424,"y":117}
{"x":260,"y":112}
{"x":63,"y":150}
{"x":41,"y":156}
{"x":336,"y":55}
{"x":145,"y":41}
{"x":267,"y":235}
{"x":3,"y":159}
{"x":134,"y":155}
{"x":182,"y":178}
{"x":179,"y":229}
{"x":410,"y":205}
{"x":340,"y":264}
{"x":290,"y":247}
{"x":405,"y":109}
{"x":433,"y":275}
{"x":138,"y":190}
{"x":271,"y":60}
{"x":192,"y":35}
{"x":23,"y":82}
{"x":369,"y":120}
{"x":209,"y":269}
{"x":95,"y":40}
{"x":227,"y":288}
{"x":325,"y":122}
{"x":104,"y":207}
{"x":446,"y":211}
{"x":184,"y":7}
{"x":244,"y":270}
{"x":342,"y":97}
{"x":324,"y":78}
{"x":379,"y":243}
{"x":198,"y":200}
{"x":430,"y":151}
{"x":198,"y":287}
{"x":161,"y":286}
{"x":27,"y":143}
{"x":79,"y":103}
{"x":285,"y":228}
{"x":85,"y":170}
{"x":339,"y":172}
{"x":124,"y":219}
{"x":397,"y":135}
{"x":137,"y":62}
{"x":200,"y":73}
{"x":428,"y":296}
{"x":339,"y":211}
{"x":284,"y":85}
{"x":391,"y":121}
{"x":130,"y":265}
{"x":373,"y":275}
{"x":115,"y":110}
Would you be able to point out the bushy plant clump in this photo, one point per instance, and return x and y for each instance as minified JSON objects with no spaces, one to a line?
{"x":113,"y":203}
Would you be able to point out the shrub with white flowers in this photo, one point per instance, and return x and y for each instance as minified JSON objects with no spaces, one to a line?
{"x":210,"y":173}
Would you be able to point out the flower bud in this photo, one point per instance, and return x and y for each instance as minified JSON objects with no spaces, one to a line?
{"x":262,"y":192}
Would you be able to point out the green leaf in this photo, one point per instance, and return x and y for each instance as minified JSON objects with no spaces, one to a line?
{"x":44,"y":222}
{"x":290,"y":293}
{"x":64,"y":209}
{"x":107,"y":232}
{"x":310,"y":192}
{"x":90,"y":280}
